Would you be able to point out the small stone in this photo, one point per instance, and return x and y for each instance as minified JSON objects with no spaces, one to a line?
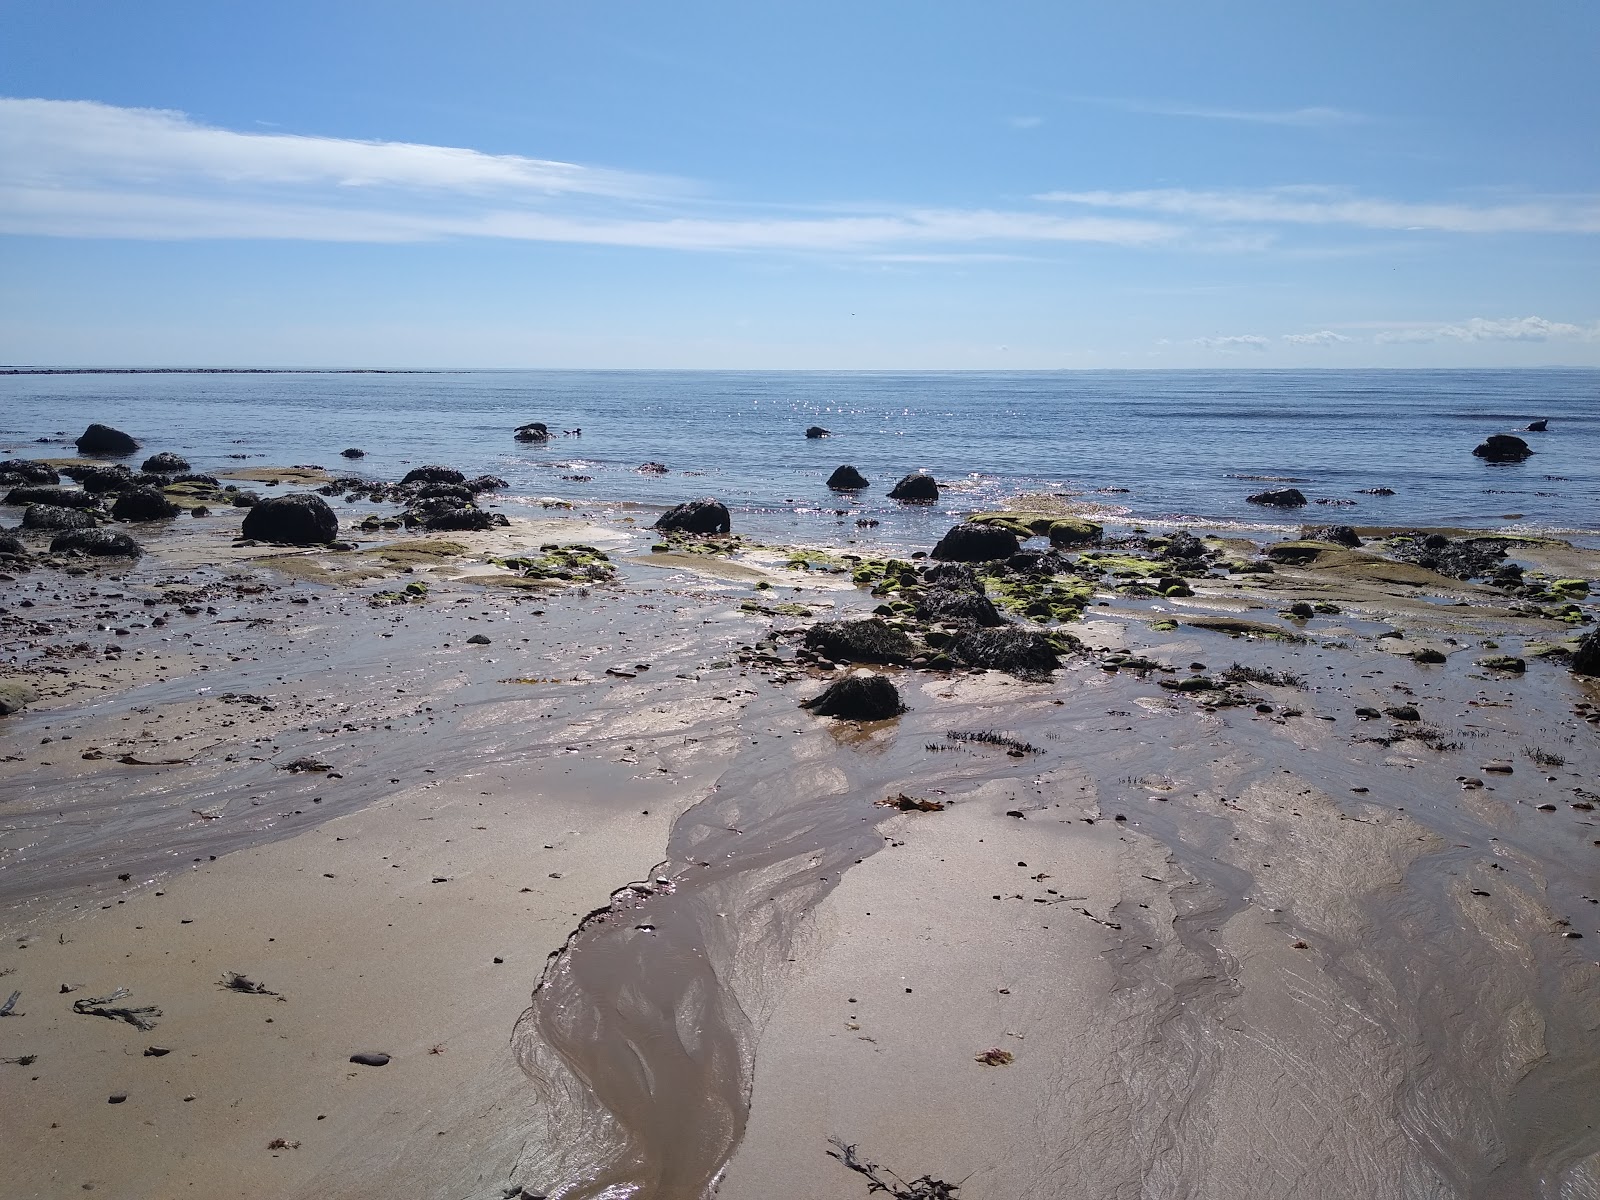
{"x":156,"y":1051}
{"x":368,"y":1058}
{"x":117,"y":1098}
{"x":477,"y":639}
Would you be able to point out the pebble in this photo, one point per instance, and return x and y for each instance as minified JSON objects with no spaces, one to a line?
{"x":370,"y":1059}
{"x":116,"y":1097}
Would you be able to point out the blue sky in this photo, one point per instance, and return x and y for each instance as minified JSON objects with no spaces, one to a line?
{"x":833,"y":185}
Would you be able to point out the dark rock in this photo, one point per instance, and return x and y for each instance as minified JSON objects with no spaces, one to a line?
{"x":1378,"y":491}
{"x":470,"y":520}
{"x":706,"y":515}
{"x":858,"y":698}
{"x":817,"y":431}
{"x":433,"y":474}
{"x":976,"y":543}
{"x":1503,"y":447}
{"x":1282,"y":498}
{"x":1339,"y":535}
{"x":1404,"y":712}
{"x":457,"y":493}
{"x":117,"y":1098}
{"x":353,"y":452}
{"x":11,"y":547}
{"x":102,"y":479}
{"x":1020,"y":652}
{"x":533,"y":431}
{"x":1071,"y":531}
{"x":50,"y":516}
{"x":370,"y":1058}
{"x":165,"y":463}
{"x":102,"y":439}
{"x":873,"y":640}
{"x":1586,"y":658}
{"x":14,"y":471}
{"x":651,"y":468}
{"x":300,"y":519}
{"x":1464,"y":559}
{"x":246,"y":499}
{"x":61,"y":497}
{"x":847,"y":479}
{"x":1538,"y":426}
{"x":953,"y":575}
{"x":945,"y":604}
{"x":485,"y":483}
{"x":916,"y":489}
{"x":477,"y":639}
{"x":1427,"y":655}
{"x":97,"y":543}
{"x":143,"y":504}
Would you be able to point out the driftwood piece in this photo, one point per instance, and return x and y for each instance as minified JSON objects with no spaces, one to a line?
{"x":101,"y":1006}
{"x":8,"y":1009}
{"x":236,"y":982}
{"x":881,"y":1179}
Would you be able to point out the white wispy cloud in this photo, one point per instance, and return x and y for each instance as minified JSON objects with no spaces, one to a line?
{"x":1483,"y":329}
{"x":1311,"y":117}
{"x":1238,"y":341}
{"x":1025,"y":122}
{"x":1323,"y":337}
{"x":1320,"y":205}
{"x":84,"y":169}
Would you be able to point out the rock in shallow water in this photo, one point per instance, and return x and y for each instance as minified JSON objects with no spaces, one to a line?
{"x":706,"y":515}
{"x":165,"y":463}
{"x":98,"y":543}
{"x":1586,"y":659}
{"x":143,"y":504}
{"x":847,"y":479}
{"x":873,"y":640}
{"x":1282,"y":498}
{"x":103,"y":439}
{"x":1503,"y":447}
{"x":916,"y":489}
{"x":858,"y":698}
{"x":976,"y":543}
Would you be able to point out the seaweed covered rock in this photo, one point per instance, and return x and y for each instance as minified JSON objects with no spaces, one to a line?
{"x":817,"y":431}
{"x":485,"y":483}
{"x":1586,"y":658}
{"x":916,"y":489}
{"x":847,"y":479}
{"x":15,"y":471}
{"x":705,"y":515}
{"x":1503,"y":447}
{"x":873,"y":640}
{"x":976,"y":543}
{"x":953,"y":575}
{"x":1464,"y":558}
{"x":53,"y":517}
{"x":300,"y":519}
{"x":143,"y":504}
{"x":102,"y":479}
{"x":533,"y":431}
{"x":1282,"y":498}
{"x":961,"y":606}
{"x":1339,"y":535}
{"x":61,"y":497}
{"x":432,"y":474}
{"x":165,"y":463}
{"x":858,"y":698}
{"x":1072,"y":531}
{"x":353,"y":452}
{"x":464,"y":519}
{"x":102,"y":439}
{"x":1024,"y":653}
{"x":244,"y":498}
{"x":97,"y":543}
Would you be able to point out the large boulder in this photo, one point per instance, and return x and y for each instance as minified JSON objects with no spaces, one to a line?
{"x":1074,"y":531}
{"x":706,"y":515}
{"x":102,"y":479}
{"x":817,"y":431}
{"x":53,"y":517}
{"x":1503,"y":447}
{"x":102,"y":439}
{"x":847,"y":479}
{"x":976,"y":543}
{"x":1282,"y":498}
{"x":1586,"y":658}
{"x":434,"y":474}
{"x":916,"y":489}
{"x":98,"y":543}
{"x":958,"y":605}
{"x":858,"y":698}
{"x":1020,"y":652}
{"x":301,"y":519}
{"x":165,"y":463}
{"x":873,"y":640}
{"x":1341,"y":535}
{"x":61,"y":497}
{"x":533,"y":431}
{"x":143,"y":504}
{"x":15,"y":471}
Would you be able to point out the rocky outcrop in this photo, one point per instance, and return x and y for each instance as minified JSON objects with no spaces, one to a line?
{"x":873,"y":640}
{"x":102,"y":439}
{"x":976,"y":543}
{"x":143,"y":504}
{"x":916,"y":489}
{"x":165,"y":463}
{"x":300,"y":519}
{"x":817,"y":431}
{"x":706,"y":515}
{"x":858,"y":698}
{"x":97,"y":543}
{"x":53,"y":517}
{"x":61,"y":497}
{"x":20,"y":471}
{"x":847,"y":479}
{"x":1339,"y":535}
{"x":533,"y":431}
{"x":1282,"y":498}
{"x":1503,"y":447}
{"x":433,"y":474}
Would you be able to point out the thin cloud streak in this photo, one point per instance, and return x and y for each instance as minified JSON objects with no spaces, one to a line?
{"x":1316,"y":205}
{"x":1483,"y":329}
{"x":1314,"y":117}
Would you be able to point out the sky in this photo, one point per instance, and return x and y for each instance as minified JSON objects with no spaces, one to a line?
{"x":878,"y":184}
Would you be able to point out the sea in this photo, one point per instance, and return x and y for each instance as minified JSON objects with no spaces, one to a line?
{"x":1154,"y":449}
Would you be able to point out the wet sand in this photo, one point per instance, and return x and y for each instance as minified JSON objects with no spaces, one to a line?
{"x":1307,"y":960}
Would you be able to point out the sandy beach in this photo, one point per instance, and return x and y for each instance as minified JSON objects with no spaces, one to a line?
{"x":626,"y":920}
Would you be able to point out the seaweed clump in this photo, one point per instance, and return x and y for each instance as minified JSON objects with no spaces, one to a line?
{"x":858,"y":698}
{"x":1025,"y":653}
{"x":873,"y":640}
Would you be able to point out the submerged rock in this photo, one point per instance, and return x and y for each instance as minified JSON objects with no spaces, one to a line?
{"x":353,"y":452}
{"x":1282,"y":498}
{"x":873,"y":640}
{"x":432,"y":474}
{"x":143,"y":504}
{"x":651,"y":468}
{"x":705,"y":515}
{"x":1503,"y":447}
{"x":533,"y":431}
{"x":98,"y":543}
{"x":1021,"y":652}
{"x":858,"y":698}
{"x":51,"y":516}
{"x":817,"y":431}
{"x":103,"y":439}
{"x":1541,"y":426}
{"x":976,"y":543}
{"x":165,"y":463}
{"x":300,"y":519}
{"x":847,"y":479}
{"x":916,"y":489}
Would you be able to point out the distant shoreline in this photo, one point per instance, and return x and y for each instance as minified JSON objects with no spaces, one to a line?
{"x":211,"y":371}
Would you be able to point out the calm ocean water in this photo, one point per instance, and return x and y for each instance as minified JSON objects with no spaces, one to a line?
{"x":1183,"y":444}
